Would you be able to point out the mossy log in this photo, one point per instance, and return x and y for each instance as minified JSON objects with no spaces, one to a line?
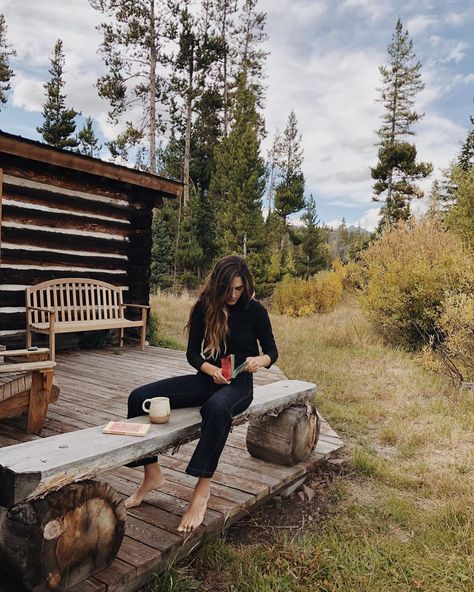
{"x":285,"y":439}
{"x":52,"y":543}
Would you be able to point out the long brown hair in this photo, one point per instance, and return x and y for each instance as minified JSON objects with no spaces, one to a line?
{"x":213,"y":296}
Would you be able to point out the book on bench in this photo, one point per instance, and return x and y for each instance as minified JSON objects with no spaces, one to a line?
{"x":125,"y":428}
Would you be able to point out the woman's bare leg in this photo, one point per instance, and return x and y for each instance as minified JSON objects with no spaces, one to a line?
{"x":194,"y":515}
{"x":153,"y":478}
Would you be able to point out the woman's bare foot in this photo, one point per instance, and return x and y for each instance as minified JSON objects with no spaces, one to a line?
{"x":152,"y":479}
{"x":194,"y":515}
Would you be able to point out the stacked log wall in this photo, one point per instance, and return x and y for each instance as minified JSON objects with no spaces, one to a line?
{"x":58,"y":222}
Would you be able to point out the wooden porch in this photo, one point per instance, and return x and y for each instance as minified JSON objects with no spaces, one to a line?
{"x":94,"y":388}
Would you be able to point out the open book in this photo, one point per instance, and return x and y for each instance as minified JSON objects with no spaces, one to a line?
{"x":228,"y":367}
{"x":125,"y":428}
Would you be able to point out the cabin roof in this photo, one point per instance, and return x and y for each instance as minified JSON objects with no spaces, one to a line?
{"x":37,"y":151}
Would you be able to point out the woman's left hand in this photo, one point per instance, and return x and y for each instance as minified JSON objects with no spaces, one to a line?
{"x":254,"y":363}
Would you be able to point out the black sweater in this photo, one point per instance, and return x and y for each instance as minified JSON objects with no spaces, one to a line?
{"x":247,"y":324}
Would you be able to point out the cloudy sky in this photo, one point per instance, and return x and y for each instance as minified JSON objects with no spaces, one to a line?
{"x":323,"y":64}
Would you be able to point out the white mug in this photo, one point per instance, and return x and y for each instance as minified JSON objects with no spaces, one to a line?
{"x":159,"y":409}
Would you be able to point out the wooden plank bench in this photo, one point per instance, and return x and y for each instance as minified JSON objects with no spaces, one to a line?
{"x":46,"y":493}
{"x":26,"y":385}
{"x":70,"y":305}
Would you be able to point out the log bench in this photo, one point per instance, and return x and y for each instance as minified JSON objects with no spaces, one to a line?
{"x":57,"y":526}
{"x":71,"y":305}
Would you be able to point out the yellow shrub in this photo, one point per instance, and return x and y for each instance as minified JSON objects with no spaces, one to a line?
{"x":409,"y":270}
{"x":453,"y":351}
{"x":321,"y":293}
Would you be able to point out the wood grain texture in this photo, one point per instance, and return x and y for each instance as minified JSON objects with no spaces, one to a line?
{"x":31,"y":470}
{"x":59,"y":540}
{"x":94,"y":383}
{"x":286,"y":439}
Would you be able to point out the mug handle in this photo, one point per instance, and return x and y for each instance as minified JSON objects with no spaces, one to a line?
{"x":145,"y":409}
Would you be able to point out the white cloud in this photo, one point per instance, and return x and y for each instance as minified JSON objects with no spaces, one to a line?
{"x":457,"y":53}
{"x":419,"y":23}
{"x":370,"y":220}
{"x":28,"y":93}
{"x":373,"y":10}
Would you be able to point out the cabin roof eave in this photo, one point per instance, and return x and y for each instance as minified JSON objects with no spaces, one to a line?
{"x":33,"y":150}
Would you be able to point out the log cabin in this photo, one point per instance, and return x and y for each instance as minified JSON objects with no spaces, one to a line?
{"x":63,"y":215}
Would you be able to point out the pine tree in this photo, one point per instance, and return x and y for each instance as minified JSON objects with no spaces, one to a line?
{"x":6,"y":52}
{"x":466,"y":156}
{"x":237,"y":186}
{"x":119,"y":148}
{"x":312,"y":254}
{"x":340,"y":242}
{"x":198,"y":49}
{"x":397,"y":170}
{"x":88,"y":141}
{"x":251,"y":56}
{"x":221,"y":14}
{"x":58,"y":125}
{"x":161,"y":253}
{"x":132,"y":49}
{"x":289,"y":191}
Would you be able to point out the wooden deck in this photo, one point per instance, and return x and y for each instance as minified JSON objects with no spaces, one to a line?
{"x":94,"y":388}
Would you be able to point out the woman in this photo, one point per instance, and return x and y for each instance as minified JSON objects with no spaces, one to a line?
{"x":226,"y":319}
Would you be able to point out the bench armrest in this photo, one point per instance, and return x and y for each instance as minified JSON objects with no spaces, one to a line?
{"x":44,"y":309}
{"x":135,"y":305}
{"x":26,"y":366}
{"x":24,"y":352}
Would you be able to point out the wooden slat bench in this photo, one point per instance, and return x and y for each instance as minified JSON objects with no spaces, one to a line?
{"x":78,"y":304}
{"x":49,"y":480}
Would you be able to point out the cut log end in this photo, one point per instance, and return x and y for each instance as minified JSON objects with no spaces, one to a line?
{"x":57,"y":541}
{"x":286,"y":439}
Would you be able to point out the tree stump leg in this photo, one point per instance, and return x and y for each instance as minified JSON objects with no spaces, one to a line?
{"x":52,"y":543}
{"x":286,"y":439}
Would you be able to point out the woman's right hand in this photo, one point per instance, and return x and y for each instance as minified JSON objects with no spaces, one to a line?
{"x":215,"y":373}
{"x":219,"y":378}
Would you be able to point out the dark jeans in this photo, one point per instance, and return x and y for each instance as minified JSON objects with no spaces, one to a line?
{"x":219,"y":404}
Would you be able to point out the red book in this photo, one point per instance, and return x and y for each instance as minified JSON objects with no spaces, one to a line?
{"x":227,"y":365}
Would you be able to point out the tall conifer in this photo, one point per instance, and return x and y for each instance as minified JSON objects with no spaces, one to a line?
{"x":289,"y":191}
{"x":88,"y":141}
{"x":466,"y":156}
{"x":132,"y":49}
{"x":58,"y":125}
{"x":238,"y":183}
{"x":6,"y":72}
{"x":397,"y":169}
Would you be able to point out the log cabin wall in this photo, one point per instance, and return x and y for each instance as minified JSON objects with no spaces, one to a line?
{"x":67,"y":215}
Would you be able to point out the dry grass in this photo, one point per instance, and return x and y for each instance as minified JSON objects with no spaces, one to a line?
{"x":171,"y":312}
{"x":404,"y":516}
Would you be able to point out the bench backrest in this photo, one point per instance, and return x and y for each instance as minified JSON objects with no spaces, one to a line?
{"x":75,"y":299}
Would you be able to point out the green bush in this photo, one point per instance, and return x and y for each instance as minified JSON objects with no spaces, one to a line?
{"x":409,"y":270}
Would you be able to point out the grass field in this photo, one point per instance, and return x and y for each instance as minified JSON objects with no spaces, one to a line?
{"x":401,"y":512}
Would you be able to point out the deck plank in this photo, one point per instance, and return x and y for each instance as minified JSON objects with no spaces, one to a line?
{"x":94,"y":388}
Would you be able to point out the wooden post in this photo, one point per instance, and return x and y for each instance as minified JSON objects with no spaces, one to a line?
{"x":52,"y":337}
{"x":143,"y":334}
{"x":55,"y":542}
{"x":41,"y":388}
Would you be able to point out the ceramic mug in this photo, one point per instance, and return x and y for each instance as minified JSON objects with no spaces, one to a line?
{"x":158,"y":408}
